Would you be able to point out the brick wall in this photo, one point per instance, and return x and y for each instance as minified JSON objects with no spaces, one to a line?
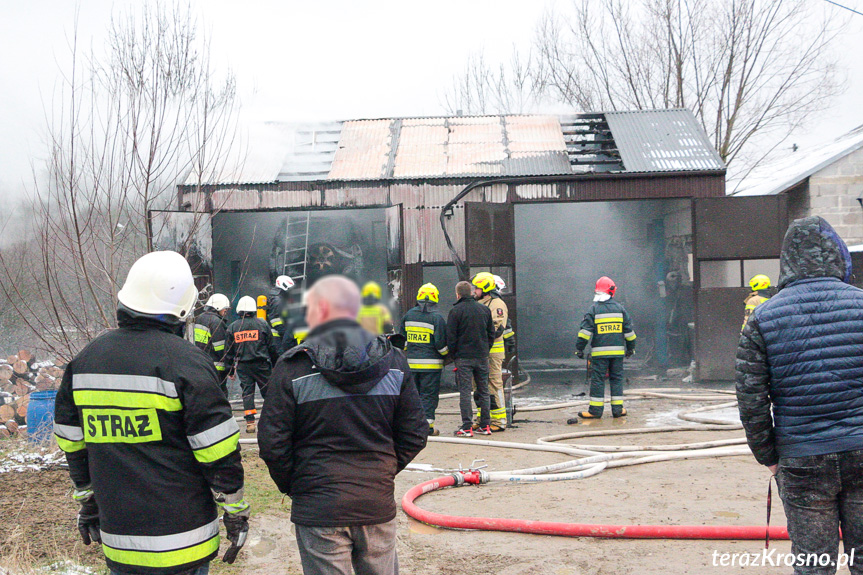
{"x":833,"y":194}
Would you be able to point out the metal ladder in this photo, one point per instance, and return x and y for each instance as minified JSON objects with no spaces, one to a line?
{"x":296,"y":249}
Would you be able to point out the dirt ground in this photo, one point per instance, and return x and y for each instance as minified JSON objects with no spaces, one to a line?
{"x":699,"y":492}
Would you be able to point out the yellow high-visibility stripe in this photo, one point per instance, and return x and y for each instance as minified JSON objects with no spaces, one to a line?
{"x":608,"y":353}
{"x":616,"y":402}
{"x":597,"y":403}
{"x":414,"y":329}
{"x":103,"y":398}
{"x":630,"y":336}
{"x":164,"y":558}
{"x":276,"y":322}
{"x":425,"y":365}
{"x":70,"y":446}
{"x":609,"y":320}
{"x":218,"y":450}
{"x":202,"y":335}
{"x":584,"y":335}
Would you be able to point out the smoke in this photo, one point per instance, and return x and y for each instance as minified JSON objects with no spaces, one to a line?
{"x":562,"y":249}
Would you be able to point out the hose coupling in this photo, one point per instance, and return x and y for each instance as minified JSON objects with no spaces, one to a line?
{"x":458,"y":478}
{"x":475,"y":477}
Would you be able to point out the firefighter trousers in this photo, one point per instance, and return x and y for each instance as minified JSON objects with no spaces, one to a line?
{"x":252,"y":373}
{"x":495,"y":391}
{"x":428,"y":384}
{"x":599,"y":366}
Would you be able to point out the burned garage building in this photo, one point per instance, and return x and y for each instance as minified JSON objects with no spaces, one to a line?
{"x":550,"y":203}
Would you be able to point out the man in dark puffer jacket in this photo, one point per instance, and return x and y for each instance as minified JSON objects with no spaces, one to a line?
{"x":802,"y":353}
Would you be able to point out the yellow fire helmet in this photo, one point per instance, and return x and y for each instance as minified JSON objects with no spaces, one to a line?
{"x":372,"y":289}
{"x":428,"y":292}
{"x":759,"y":282}
{"x":484,"y":281}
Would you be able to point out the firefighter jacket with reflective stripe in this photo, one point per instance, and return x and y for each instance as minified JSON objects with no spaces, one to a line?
{"x":425,"y":330}
{"x":376,"y":318}
{"x":500,"y":317}
{"x":210,"y":334}
{"x":277,"y":312}
{"x":752,"y":301}
{"x":143,"y":423}
{"x":250,"y":339}
{"x":608,"y":328}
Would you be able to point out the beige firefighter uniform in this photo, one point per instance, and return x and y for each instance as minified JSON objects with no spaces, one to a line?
{"x":500,"y":315}
{"x":752,"y":301}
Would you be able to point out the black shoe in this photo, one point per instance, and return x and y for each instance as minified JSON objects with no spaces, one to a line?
{"x":484,"y":430}
{"x":621,"y":414}
{"x":464,"y":432}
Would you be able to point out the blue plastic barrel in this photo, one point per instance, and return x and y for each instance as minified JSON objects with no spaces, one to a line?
{"x":40,"y":415}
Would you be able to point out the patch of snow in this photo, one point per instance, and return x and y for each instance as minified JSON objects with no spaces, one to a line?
{"x":67,"y":568}
{"x":29,"y":458}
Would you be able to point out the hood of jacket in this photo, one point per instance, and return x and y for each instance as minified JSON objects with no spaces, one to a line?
{"x":812,"y":249}
{"x":347,"y":355}
{"x":426,"y":306}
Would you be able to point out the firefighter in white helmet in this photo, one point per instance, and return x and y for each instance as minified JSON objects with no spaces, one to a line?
{"x":278,"y":311}
{"x":210,"y":332}
{"x":251,"y":353}
{"x":485,"y":291}
{"x":151,"y":442}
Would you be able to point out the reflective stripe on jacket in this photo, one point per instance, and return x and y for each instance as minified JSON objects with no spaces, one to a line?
{"x":210,"y":333}
{"x":424,"y":328}
{"x":500,"y":316}
{"x":374,"y":318}
{"x":608,"y":329}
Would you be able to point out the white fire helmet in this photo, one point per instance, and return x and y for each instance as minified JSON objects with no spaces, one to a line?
{"x":160,"y":283}
{"x":284,"y":283}
{"x":219,"y":302}
{"x":498,"y":281}
{"x":246,"y":305}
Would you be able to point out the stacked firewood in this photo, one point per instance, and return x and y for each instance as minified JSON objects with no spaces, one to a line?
{"x":20,"y":375}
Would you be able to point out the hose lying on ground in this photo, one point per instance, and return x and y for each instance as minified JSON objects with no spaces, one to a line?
{"x":594,"y":459}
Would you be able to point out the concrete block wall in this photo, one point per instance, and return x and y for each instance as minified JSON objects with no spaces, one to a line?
{"x":833,"y":194}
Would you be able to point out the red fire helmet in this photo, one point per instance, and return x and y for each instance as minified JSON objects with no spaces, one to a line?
{"x":605,"y":285}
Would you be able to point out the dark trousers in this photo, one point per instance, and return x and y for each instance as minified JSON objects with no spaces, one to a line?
{"x":250,"y":374}
{"x":467,"y":372}
{"x":599,"y":366}
{"x":428,"y":384}
{"x":821,"y":494}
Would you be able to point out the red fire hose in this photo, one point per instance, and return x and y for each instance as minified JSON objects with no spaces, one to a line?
{"x":571,"y":529}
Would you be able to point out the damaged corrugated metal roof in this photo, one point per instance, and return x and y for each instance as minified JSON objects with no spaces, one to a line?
{"x":662,"y":141}
{"x":477,"y":147}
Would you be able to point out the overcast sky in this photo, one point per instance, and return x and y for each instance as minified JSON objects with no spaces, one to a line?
{"x":311,"y":60}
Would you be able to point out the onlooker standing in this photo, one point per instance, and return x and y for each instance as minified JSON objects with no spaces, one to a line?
{"x":800,"y":354}
{"x":470,"y":335}
{"x":150,"y":440}
{"x":485,"y":292}
{"x":252,"y":349}
{"x":342,"y":418}
{"x":424,"y":329}
{"x":210,"y":333}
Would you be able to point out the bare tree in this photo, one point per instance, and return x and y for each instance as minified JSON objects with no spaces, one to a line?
{"x":751,"y":71}
{"x":511,"y":87}
{"x":129,"y":124}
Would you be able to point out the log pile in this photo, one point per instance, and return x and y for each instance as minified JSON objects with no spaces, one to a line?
{"x":20,"y":376}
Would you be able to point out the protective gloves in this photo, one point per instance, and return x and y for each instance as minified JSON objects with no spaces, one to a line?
{"x":236,"y":519}
{"x":580,"y":354}
{"x":88,"y":515}
{"x":629,"y":352}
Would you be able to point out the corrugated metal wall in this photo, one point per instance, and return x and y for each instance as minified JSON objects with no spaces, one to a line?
{"x":423,"y":200}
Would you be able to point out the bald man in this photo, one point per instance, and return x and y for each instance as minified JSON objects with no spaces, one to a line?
{"x":342,"y":417}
